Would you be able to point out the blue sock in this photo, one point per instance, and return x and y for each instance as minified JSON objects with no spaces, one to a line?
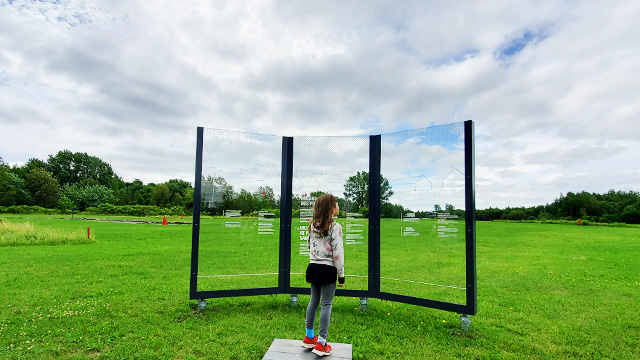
{"x":310,"y":333}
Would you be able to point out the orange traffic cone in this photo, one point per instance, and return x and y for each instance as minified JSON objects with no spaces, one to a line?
{"x":164,"y":220}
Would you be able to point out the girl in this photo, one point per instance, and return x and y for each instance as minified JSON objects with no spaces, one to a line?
{"x":326,"y":263}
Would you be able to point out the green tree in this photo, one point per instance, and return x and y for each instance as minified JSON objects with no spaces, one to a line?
{"x":245,"y":202}
{"x":514,"y":214}
{"x":160,"y":196}
{"x":134,"y":193}
{"x":216,"y":195}
{"x":146,"y":194}
{"x":177,"y":200}
{"x":578,"y":205}
{"x":119,"y":188}
{"x":12,"y":188}
{"x":356,"y":191}
{"x":630,"y":215}
{"x":449,"y":208}
{"x":188,"y":198}
{"x":177,"y":187}
{"x":65,"y":204}
{"x":79,"y":168}
{"x":83,"y":197}
{"x":489,"y":214}
{"x":23,"y":171}
{"x":393,"y":211}
{"x":44,"y":188}
{"x":296,"y":202}
{"x":266,"y":198}
{"x":95,"y":195}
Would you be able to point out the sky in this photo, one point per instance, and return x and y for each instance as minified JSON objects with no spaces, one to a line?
{"x":552,"y":86}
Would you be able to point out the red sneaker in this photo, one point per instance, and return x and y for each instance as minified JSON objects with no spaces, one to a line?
{"x":309,"y":343}
{"x":322,"y":350}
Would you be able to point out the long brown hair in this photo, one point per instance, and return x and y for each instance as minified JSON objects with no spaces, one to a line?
{"x":323,"y":213}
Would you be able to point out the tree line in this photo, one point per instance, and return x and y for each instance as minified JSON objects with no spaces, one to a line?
{"x":71,"y":181}
{"x":610,"y":207}
{"x":218,"y":196}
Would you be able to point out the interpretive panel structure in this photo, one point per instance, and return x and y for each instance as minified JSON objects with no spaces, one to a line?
{"x":236,"y":223}
{"x":423,"y":241}
{"x":407,"y":203}
{"x":324,"y":164}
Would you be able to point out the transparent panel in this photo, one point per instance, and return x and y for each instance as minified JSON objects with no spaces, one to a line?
{"x":240,"y":215}
{"x":328,"y":165}
{"x":422,"y":240}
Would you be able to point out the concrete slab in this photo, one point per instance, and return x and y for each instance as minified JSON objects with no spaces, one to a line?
{"x":293,"y":350}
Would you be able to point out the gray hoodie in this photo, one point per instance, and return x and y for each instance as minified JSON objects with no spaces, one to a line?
{"x":327,"y":250}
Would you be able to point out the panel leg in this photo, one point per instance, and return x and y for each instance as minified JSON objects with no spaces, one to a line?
{"x":202,"y":304}
{"x":293,"y":300}
{"x":465,"y":321}
{"x":363,"y":304}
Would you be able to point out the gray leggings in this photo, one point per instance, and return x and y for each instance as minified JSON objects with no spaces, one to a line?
{"x":326,"y":293}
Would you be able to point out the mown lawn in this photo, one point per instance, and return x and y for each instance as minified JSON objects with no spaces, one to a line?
{"x":544,"y":291}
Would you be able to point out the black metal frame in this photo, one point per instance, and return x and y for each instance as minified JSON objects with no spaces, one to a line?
{"x":195,"y":231}
{"x":373,"y":291}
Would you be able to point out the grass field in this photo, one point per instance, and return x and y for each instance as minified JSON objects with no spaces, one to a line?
{"x":544,"y":291}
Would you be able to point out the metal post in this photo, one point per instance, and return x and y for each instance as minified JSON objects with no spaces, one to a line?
{"x":195,"y":233}
{"x":286,"y":186}
{"x":470,"y":217}
{"x":202,"y":304}
{"x":293,"y":300}
{"x":375,"y":150}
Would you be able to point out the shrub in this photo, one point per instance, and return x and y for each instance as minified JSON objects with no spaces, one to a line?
{"x":134,"y":210}
{"x":26,"y":209}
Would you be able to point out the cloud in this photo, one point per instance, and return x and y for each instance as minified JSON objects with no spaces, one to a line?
{"x":572,"y":154}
